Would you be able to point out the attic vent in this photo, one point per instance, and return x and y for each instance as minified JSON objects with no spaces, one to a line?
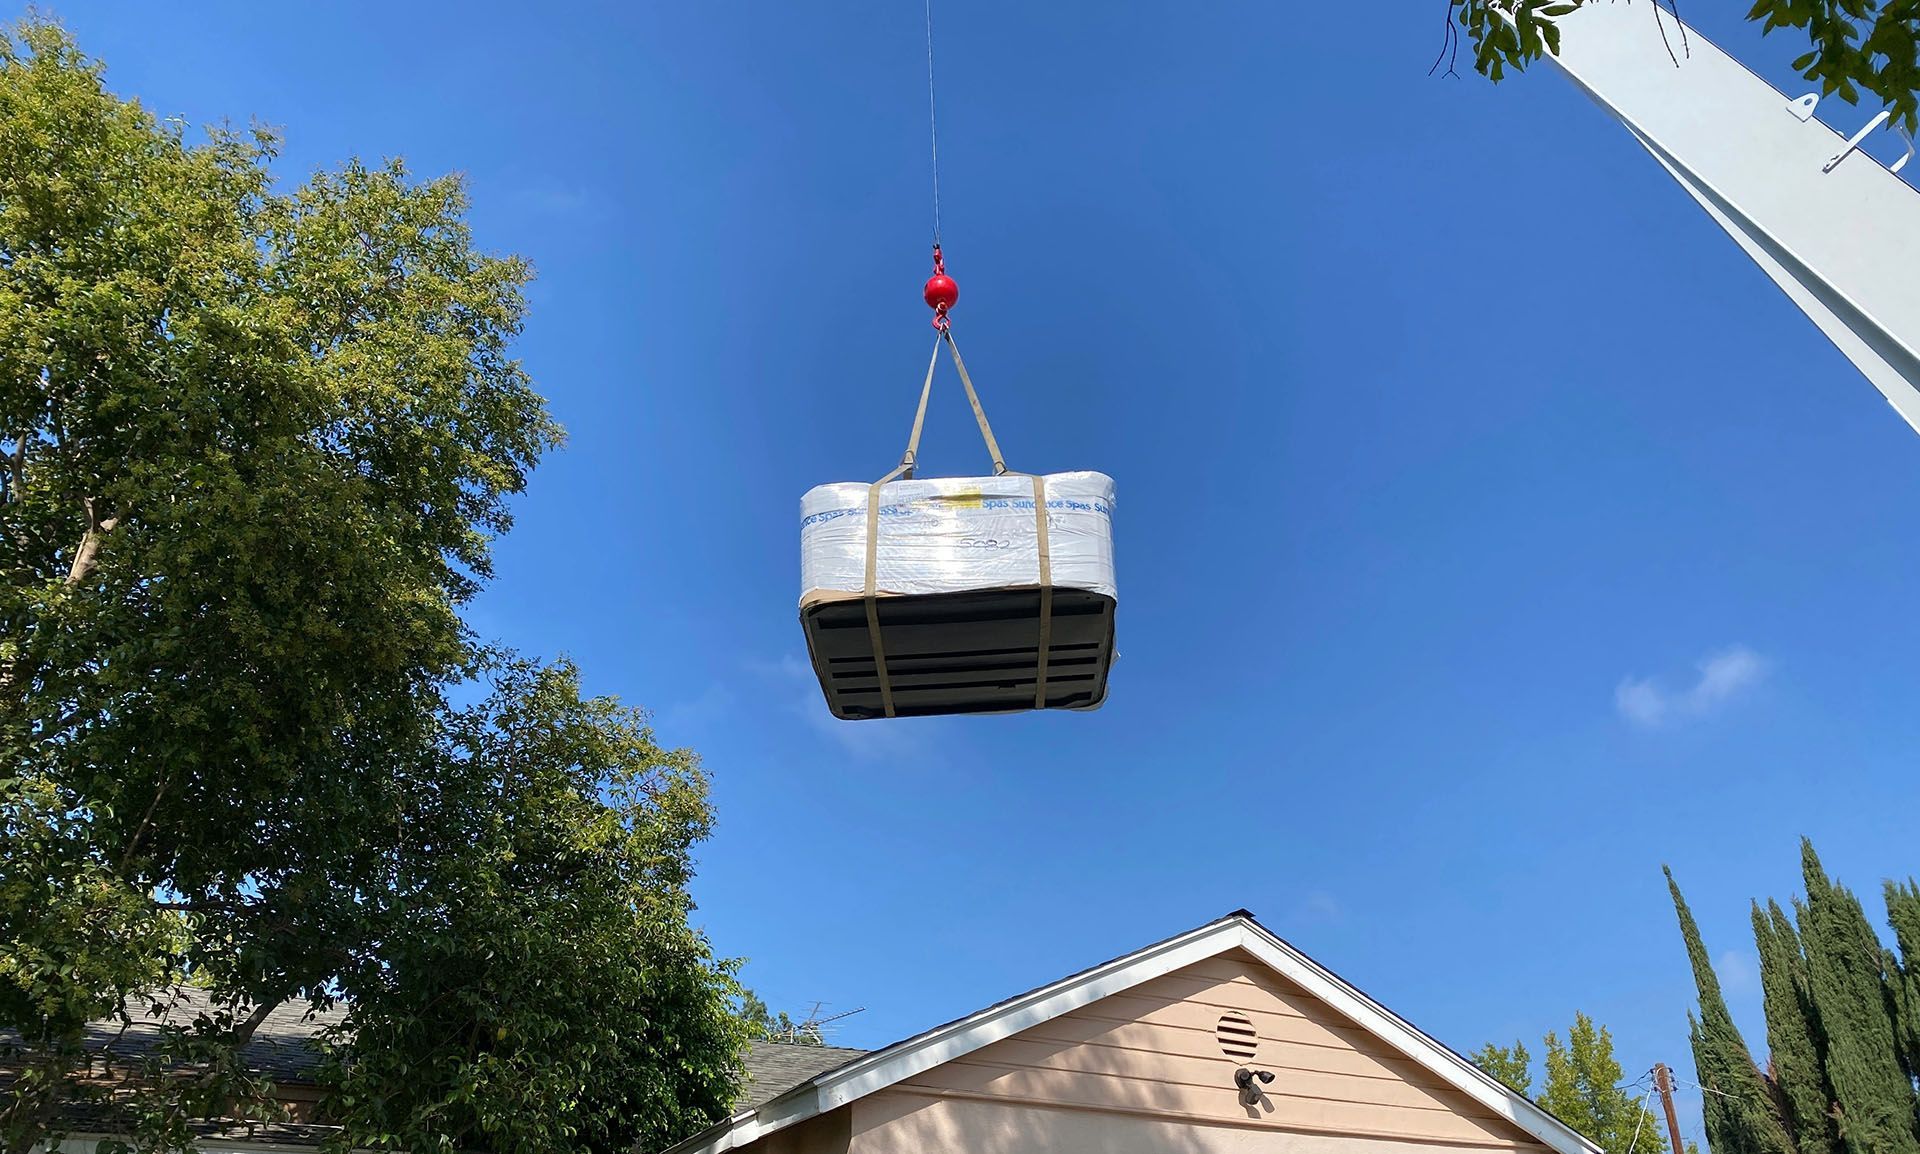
{"x":1236,"y":1036}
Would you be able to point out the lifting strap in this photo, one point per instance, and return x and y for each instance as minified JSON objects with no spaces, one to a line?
{"x":904,"y":470}
{"x":1046,"y":592}
{"x":973,"y":398}
{"x":873,"y":601}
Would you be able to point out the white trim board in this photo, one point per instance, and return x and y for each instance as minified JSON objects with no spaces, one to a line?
{"x":916,"y":1055}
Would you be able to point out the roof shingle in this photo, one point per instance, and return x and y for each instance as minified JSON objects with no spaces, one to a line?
{"x":773,"y":1068}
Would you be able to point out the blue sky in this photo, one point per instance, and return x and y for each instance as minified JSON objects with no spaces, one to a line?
{"x":1490,"y":531}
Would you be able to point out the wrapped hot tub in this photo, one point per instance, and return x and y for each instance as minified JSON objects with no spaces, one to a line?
{"x":959,"y":594}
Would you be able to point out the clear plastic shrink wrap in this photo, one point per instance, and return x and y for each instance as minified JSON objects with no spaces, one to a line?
{"x":956,"y":534}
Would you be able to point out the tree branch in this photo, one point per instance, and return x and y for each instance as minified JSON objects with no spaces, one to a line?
{"x":88,"y":554}
{"x":243,"y":1031}
{"x":1662,"y":25}
{"x":17,"y":470}
{"x":139,"y":831}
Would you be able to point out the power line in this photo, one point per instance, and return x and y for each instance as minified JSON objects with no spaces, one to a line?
{"x":1640,"y":1119}
{"x":1706,"y":1089}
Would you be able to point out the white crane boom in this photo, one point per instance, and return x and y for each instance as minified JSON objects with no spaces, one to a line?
{"x":1835,"y":228}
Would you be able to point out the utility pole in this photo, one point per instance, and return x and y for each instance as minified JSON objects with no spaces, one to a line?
{"x":1663,"y":1080}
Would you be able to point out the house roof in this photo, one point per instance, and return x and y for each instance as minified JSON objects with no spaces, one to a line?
{"x":81,"y":1122}
{"x":773,"y":1068}
{"x":285,"y":1047}
{"x":864,"y":1074}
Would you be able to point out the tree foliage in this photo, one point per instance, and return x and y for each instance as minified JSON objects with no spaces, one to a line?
{"x":1584,"y":1087}
{"x":531,"y":944}
{"x":1510,"y":1065}
{"x":1846,"y":974}
{"x":1793,"y":1032}
{"x":763,"y":1023}
{"x":1903,"y":915}
{"x":254,"y":445}
{"x":1743,"y":1112}
{"x":1584,"y":1090}
{"x":1855,"y":46}
{"x":1841,"y":1025}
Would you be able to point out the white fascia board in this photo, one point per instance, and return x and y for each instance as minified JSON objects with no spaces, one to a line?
{"x":1395,"y":1031}
{"x":917,"y":1055}
{"x":750,"y":1125}
{"x":914,"y":1056}
{"x":735,"y":1131}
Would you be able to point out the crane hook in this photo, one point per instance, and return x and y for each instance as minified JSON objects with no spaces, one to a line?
{"x":941,"y":292}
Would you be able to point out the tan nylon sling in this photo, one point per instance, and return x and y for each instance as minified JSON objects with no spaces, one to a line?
{"x":905,"y":471}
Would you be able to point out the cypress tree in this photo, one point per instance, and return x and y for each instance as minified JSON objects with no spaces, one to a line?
{"x":1741,"y":1113}
{"x":1903,"y":974}
{"x":1846,"y":977}
{"x":1793,"y":1033}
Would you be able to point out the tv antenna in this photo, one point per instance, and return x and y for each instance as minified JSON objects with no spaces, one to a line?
{"x":813,"y":1028}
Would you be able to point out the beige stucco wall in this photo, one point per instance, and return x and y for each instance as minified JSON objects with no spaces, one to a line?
{"x":895,"y":1122}
{"x":827,"y":1134}
{"x":1143,"y":1071}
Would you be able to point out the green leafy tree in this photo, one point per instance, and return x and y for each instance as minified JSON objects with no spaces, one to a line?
{"x":1584,"y":1090}
{"x":1511,"y":1065}
{"x":1583,"y":1087}
{"x":1855,"y":46}
{"x":1743,"y":1113}
{"x":763,"y":1023}
{"x":547,"y":959}
{"x":254,"y":445}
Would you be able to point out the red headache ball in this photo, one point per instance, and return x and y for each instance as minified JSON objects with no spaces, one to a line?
{"x":941,"y":292}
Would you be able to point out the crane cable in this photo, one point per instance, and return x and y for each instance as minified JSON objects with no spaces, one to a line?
{"x":933,"y":128}
{"x":940,"y":294}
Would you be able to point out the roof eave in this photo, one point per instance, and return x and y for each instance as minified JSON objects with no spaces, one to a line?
{"x":923,"y":1052}
{"x":1434,"y":1056}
